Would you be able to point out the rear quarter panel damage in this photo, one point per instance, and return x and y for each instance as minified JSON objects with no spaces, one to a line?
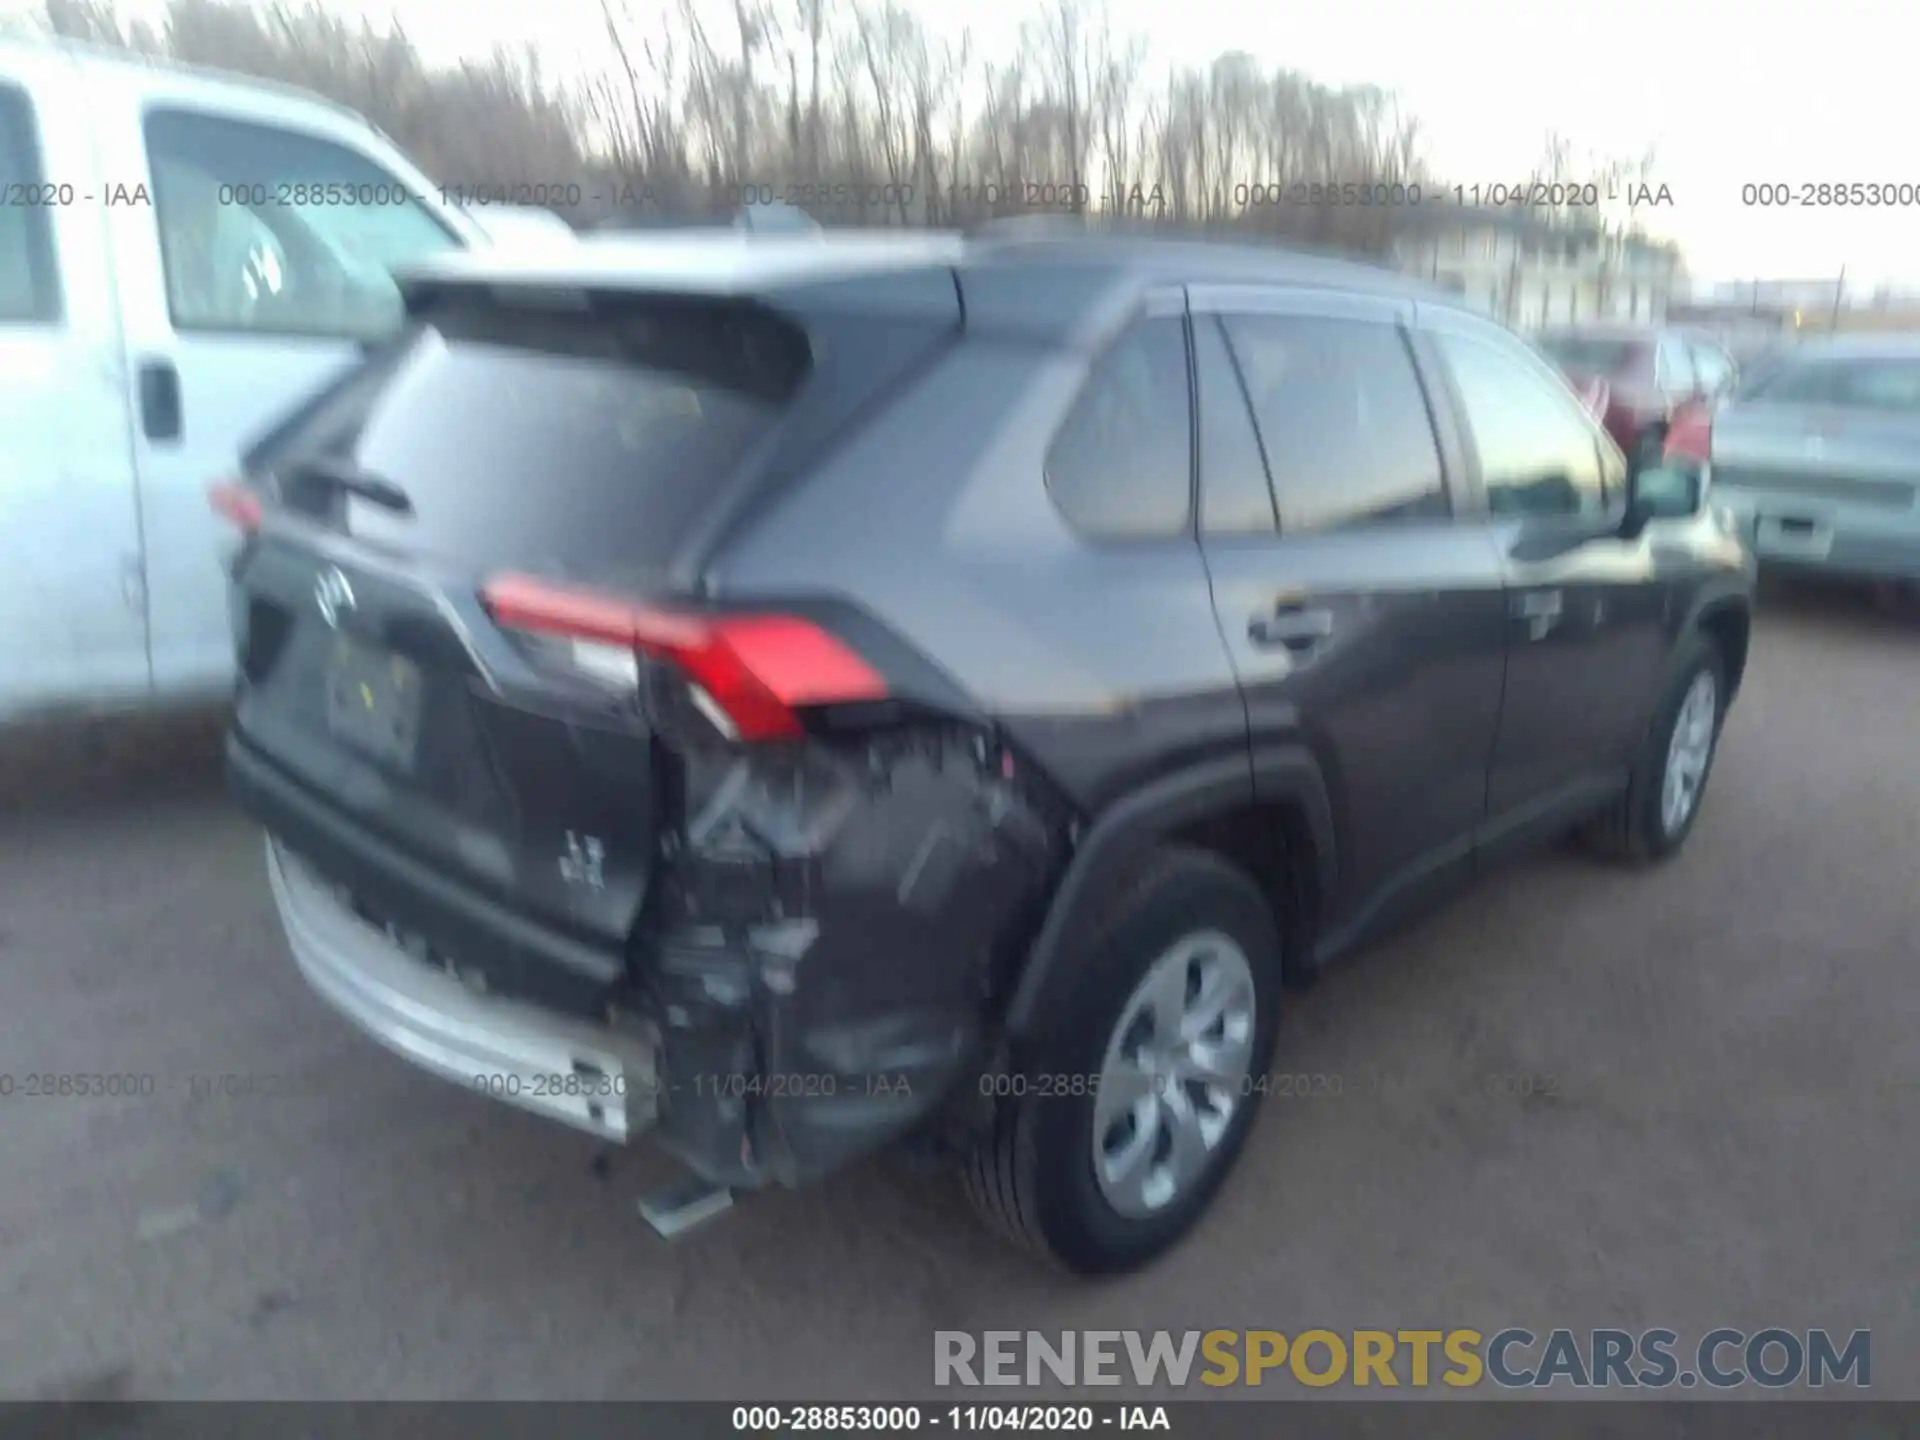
{"x":836,"y":922}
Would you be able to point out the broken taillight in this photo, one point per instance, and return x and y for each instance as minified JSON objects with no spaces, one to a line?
{"x":238,"y":503}
{"x":751,"y":674}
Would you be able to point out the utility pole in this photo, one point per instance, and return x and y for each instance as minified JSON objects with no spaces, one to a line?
{"x":1839,"y":298}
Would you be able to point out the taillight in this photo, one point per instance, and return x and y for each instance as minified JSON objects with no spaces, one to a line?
{"x":238,"y":503}
{"x":751,"y":674}
{"x":1690,"y":436}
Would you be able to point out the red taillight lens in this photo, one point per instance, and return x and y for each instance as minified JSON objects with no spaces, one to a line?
{"x":237,"y":503}
{"x":1690,"y":436}
{"x":758,"y":670}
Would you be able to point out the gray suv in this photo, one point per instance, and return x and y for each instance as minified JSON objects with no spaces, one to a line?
{"x":795,"y":695}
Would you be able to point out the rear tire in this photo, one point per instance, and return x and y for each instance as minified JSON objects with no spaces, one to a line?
{"x":1647,"y":823}
{"x":1107,"y":1190}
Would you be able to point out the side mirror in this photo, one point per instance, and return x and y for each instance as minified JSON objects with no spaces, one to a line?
{"x":1672,"y":490}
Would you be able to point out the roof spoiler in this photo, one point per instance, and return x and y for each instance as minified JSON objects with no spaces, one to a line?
{"x":760,"y":219}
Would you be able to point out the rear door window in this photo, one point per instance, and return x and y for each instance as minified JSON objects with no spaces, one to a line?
{"x":1121,"y":467}
{"x":29,"y":282}
{"x":572,"y":446}
{"x":1342,"y":421}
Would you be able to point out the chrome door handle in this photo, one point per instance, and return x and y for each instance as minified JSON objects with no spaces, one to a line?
{"x":1294,"y":628}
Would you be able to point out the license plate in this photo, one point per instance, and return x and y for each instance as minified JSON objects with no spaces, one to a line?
{"x":1792,"y":536}
{"x":373,"y":701}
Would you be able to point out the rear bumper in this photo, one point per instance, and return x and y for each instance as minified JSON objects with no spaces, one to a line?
{"x":1794,"y":533}
{"x":593,"y":1078}
{"x":755,"y":1053}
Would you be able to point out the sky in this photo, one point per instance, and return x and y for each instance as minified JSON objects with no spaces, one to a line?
{"x":1725,"y":96}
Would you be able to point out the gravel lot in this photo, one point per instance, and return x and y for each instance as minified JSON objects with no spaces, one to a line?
{"x":1734,"y":1039}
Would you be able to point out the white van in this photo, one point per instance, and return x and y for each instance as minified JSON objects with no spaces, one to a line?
{"x":183,"y":255}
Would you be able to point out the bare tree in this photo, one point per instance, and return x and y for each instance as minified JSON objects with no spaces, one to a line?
{"x":848,"y":92}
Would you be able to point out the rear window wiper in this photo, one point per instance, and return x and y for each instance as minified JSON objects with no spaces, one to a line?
{"x":339,"y":473}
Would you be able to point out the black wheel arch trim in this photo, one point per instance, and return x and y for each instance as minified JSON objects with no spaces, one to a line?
{"x":1714,"y":602}
{"x":1279,"y":774}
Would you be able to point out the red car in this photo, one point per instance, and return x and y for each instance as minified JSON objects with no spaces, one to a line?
{"x":1638,"y":378}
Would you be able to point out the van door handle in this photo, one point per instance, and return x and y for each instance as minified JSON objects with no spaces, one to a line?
{"x":1293,"y":626}
{"x":160,"y":417}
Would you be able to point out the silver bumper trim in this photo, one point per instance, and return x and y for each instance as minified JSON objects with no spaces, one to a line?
{"x":502,"y":1048}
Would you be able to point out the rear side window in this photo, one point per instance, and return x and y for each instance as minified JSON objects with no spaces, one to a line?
{"x":578,"y":447}
{"x":1342,"y":421}
{"x":1121,"y":467}
{"x":29,"y":282}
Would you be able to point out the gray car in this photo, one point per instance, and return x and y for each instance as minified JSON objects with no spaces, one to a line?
{"x":795,"y":694}
{"x":1818,"y":457}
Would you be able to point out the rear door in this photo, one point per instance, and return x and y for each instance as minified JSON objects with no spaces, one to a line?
{"x":1586,"y":611}
{"x":252,"y":236}
{"x":72,"y":624}
{"x":1360,"y":617}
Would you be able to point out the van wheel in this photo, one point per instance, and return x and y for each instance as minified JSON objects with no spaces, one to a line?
{"x":1654,"y":817}
{"x":1123,"y":1121}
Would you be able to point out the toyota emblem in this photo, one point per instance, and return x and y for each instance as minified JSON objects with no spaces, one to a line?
{"x":333,"y":595}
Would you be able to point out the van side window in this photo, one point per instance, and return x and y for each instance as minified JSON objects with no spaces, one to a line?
{"x":269,"y":230}
{"x":29,"y":278}
{"x":1121,"y":467}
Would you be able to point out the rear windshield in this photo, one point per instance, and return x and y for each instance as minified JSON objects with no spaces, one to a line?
{"x":1890,"y":383}
{"x":1589,"y":354}
{"x":576,"y":445}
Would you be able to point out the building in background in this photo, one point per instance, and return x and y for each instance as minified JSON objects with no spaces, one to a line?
{"x":1800,"y":307}
{"x":1531,"y":271}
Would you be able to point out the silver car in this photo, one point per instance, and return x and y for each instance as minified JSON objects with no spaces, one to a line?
{"x":1818,"y":457}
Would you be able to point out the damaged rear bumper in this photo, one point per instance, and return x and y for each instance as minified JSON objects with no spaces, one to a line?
{"x":808,"y":1004}
{"x":591,"y":1077}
